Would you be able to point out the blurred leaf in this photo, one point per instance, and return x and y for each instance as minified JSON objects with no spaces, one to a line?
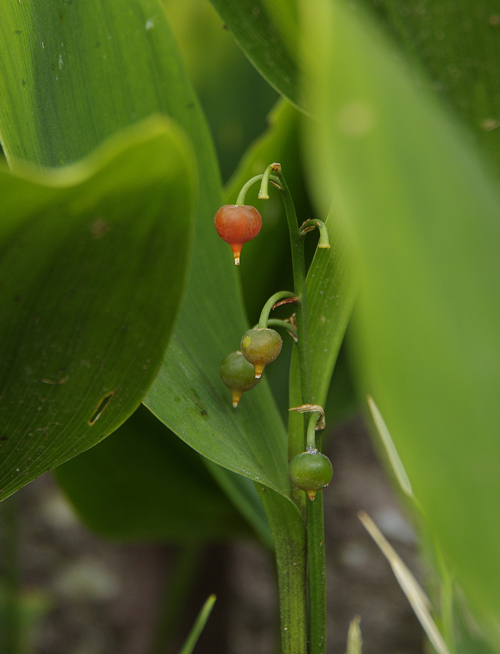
{"x":423,"y":214}
{"x":260,"y":38}
{"x":90,"y":293}
{"x":235,"y":98}
{"x":458,"y":43}
{"x":142,"y":482}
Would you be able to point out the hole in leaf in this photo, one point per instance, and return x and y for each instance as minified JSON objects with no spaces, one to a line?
{"x":103,"y":404}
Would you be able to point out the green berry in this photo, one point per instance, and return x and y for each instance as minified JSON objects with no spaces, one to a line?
{"x":238,"y":375}
{"x":311,"y":471}
{"x":260,"y":347}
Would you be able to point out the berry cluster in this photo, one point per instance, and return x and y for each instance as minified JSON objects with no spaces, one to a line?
{"x":242,"y":370}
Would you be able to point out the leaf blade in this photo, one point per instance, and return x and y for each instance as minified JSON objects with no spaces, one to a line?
{"x":85,"y":316}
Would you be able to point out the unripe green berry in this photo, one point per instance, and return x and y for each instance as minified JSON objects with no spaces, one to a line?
{"x":260,"y":347}
{"x":238,"y":375}
{"x":311,"y":471}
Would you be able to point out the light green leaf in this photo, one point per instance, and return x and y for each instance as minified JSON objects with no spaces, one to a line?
{"x":422,"y":212}
{"x":93,"y":261}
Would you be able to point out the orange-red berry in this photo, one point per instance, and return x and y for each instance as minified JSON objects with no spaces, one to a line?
{"x":236,"y":224}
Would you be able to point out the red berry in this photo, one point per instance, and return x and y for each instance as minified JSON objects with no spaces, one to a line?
{"x":236,"y":224}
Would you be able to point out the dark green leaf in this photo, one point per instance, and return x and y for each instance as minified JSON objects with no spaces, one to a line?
{"x":122,"y":57}
{"x":93,"y":261}
{"x":142,"y":482}
{"x":269,"y":44}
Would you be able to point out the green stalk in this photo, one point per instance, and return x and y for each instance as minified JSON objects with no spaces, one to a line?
{"x":268,"y":306}
{"x":324,"y":239}
{"x":299,"y":282}
{"x":263,"y":194}
{"x":316,"y":579}
{"x":314,"y":510}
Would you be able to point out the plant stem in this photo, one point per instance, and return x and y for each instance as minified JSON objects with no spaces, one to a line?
{"x":314,"y":510}
{"x":268,"y":306}
{"x":316,"y":572}
{"x":299,"y":281}
{"x":311,"y":431}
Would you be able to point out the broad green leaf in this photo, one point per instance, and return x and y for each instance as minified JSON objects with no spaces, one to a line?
{"x":261,"y":39}
{"x":93,"y":260}
{"x":143,"y":482}
{"x":422,"y":211}
{"x":121,"y":54}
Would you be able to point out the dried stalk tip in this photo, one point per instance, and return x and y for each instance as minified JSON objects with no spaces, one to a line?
{"x":310,"y":408}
